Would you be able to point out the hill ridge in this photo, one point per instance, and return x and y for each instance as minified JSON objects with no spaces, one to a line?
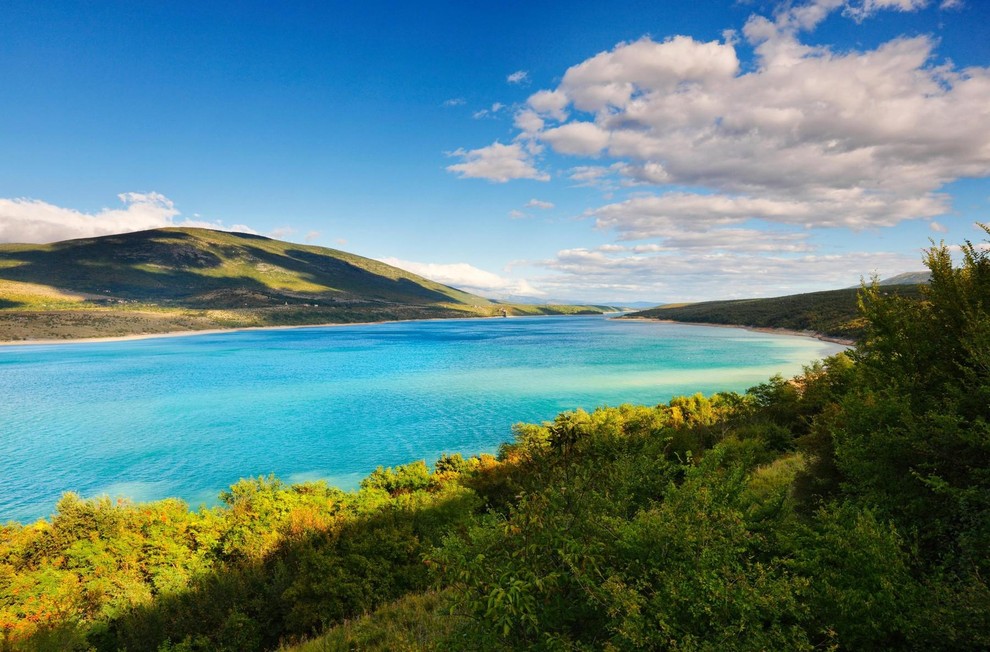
{"x":187,"y":278}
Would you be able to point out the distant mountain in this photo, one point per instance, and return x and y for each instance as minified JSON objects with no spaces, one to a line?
{"x":908,"y":278}
{"x":639,"y":304}
{"x":189,"y":279}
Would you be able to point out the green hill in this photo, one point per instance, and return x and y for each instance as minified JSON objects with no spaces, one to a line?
{"x":833,"y":313}
{"x":177,"y":279}
{"x":204,"y":268}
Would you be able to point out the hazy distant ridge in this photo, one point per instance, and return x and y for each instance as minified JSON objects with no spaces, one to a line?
{"x":833,"y":313}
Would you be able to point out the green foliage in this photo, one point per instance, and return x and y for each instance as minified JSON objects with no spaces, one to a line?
{"x":401,"y":479}
{"x":863,"y":591}
{"x":913,"y":436}
{"x":833,"y":312}
{"x":416,"y":622}
{"x":274,"y":562}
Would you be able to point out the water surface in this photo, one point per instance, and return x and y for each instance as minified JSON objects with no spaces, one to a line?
{"x":188,"y":416}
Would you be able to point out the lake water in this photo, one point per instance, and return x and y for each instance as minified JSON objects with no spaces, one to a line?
{"x":188,"y":416}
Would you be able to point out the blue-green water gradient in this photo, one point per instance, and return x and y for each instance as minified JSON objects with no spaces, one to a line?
{"x":188,"y":416}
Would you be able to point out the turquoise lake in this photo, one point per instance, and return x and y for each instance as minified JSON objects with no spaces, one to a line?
{"x":188,"y":416}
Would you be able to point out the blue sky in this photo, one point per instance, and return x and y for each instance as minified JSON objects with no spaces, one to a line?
{"x":657,"y":151}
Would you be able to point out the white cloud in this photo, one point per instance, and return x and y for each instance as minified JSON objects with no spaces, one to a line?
{"x":581,"y":138}
{"x":528,"y":121}
{"x":550,"y":103}
{"x":645,"y":173}
{"x":496,"y":162}
{"x":747,"y":159}
{"x":517,"y":215}
{"x":938,"y":228}
{"x":951,"y":4}
{"x":610,"y":79}
{"x":866,"y":8}
{"x":698,"y":275}
{"x":467,"y":277}
{"x":740,"y":240}
{"x":518,"y":77}
{"x":312,"y":236}
{"x":589,"y":175}
{"x":539,"y":203}
{"x":657,"y":215}
{"x":33,"y":220}
{"x":281,"y":233}
{"x":853,"y":139}
{"x":489,"y":112}
{"x":454,"y":101}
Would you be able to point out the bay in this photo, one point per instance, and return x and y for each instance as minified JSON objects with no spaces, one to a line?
{"x":188,"y":416}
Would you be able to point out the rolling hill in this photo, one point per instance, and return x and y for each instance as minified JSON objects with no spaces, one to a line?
{"x":832,"y":313}
{"x":177,"y":279}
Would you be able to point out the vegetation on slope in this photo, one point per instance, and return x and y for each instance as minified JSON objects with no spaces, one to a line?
{"x":201,"y":268}
{"x":848,"y":509}
{"x":833,"y":313}
{"x":192,"y":279}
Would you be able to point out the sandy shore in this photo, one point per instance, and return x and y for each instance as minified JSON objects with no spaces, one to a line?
{"x":205,"y":331}
{"x":756,"y":329}
{"x":215,"y":331}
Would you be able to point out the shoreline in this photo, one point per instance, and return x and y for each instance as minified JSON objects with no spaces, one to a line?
{"x":212,"y":331}
{"x":217,"y":331}
{"x":756,"y":329}
{"x":238,"y":329}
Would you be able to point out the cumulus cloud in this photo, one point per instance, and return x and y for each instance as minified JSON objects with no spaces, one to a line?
{"x":33,"y":220}
{"x":735,"y":164}
{"x":518,"y":77}
{"x":468,"y":277}
{"x":539,"y":203}
{"x":854,"y":139}
{"x":581,"y":138}
{"x":551,"y":103}
{"x":454,"y":101}
{"x":528,"y":121}
{"x":312,"y":236}
{"x":496,"y":162}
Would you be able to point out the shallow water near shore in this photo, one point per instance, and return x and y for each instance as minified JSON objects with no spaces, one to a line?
{"x":186,"y":417}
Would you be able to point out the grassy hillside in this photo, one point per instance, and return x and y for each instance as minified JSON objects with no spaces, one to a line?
{"x":191,"y":279}
{"x":207,"y":269}
{"x":832,"y":313}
